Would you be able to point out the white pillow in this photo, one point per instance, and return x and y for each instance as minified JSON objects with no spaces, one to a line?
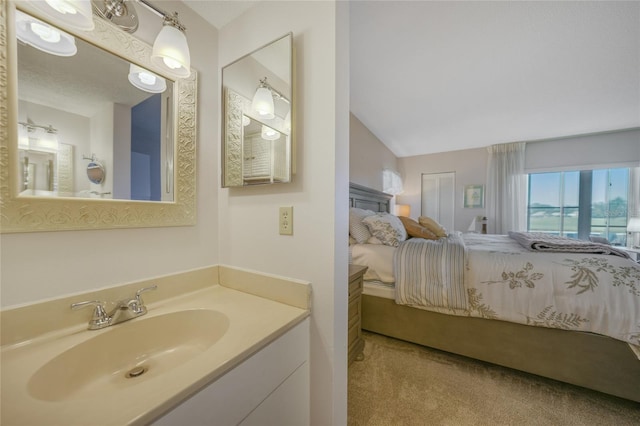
{"x":387,"y":228}
{"x":357,"y":229}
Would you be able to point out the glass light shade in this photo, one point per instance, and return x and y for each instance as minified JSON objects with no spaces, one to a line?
{"x":146,"y":80}
{"x":245,"y":121}
{"x":262,"y":103}
{"x":43,"y":36}
{"x":269,"y":134}
{"x":76,"y":14}
{"x":171,"y":52}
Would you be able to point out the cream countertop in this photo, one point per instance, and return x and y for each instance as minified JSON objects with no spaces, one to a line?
{"x":253,"y":323}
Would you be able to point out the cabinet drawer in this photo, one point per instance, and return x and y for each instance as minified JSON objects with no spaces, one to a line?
{"x":354,"y":335}
{"x":355,"y":286}
{"x":354,"y":312}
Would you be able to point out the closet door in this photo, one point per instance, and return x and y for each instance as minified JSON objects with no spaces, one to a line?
{"x":438,"y":200}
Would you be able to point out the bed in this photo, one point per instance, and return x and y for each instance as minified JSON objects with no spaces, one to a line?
{"x":589,"y":360}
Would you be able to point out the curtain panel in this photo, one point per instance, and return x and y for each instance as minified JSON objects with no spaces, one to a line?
{"x":506,"y":188}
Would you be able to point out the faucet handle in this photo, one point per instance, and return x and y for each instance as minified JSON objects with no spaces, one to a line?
{"x":139,"y":303}
{"x":100,"y":319}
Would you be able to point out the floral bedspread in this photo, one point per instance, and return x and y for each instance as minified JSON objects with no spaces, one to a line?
{"x":571,"y":291}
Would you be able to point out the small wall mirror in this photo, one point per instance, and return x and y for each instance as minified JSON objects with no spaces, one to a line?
{"x":257,"y":110}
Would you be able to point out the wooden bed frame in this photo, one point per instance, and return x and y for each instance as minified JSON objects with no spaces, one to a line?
{"x":584,"y":359}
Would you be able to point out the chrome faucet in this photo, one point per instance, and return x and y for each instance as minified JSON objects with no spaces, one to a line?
{"x":125,"y":310}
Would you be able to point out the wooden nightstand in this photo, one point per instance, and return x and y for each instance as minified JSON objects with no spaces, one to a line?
{"x":355,"y":343}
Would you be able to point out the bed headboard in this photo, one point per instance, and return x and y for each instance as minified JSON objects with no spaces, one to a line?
{"x":368,"y":199}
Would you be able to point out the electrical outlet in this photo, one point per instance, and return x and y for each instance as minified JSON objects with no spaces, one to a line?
{"x":286,"y":221}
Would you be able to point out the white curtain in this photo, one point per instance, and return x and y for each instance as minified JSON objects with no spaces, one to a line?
{"x":634,"y":192}
{"x":506,"y":188}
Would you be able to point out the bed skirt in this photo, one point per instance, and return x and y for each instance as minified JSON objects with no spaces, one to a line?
{"x":584,"y":359}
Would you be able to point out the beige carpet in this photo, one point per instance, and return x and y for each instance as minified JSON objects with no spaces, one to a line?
{"x":399,"y":383}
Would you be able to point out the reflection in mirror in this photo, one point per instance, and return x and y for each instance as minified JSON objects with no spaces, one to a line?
{"x":257,"y":90}
{"x":110,"y":113}
{"x":50,"y":132}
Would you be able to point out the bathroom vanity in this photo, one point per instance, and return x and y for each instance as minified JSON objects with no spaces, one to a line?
{"x":205,"y":353}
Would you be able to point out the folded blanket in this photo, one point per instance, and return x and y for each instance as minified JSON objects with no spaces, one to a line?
{"x":540,"y":241}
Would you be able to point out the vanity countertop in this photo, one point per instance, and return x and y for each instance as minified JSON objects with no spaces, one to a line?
{"x":253,"y":322}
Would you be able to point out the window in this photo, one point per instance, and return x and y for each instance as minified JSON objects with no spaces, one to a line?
{"x":580,"y":204}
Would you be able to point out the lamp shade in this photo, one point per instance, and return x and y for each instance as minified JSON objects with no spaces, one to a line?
{"x":262,"y":103}
{"x":269,"y":134}
{"x":76,"y":14}
{"x":171,"y":52}
{"x":146,"y":80}
{"x":43,"y":36}
{"x":633,"y":225}
{"x":403,"y":210}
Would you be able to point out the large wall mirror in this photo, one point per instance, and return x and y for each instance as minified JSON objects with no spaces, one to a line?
{"x":93,"y":136}
{"x":258,"y":105}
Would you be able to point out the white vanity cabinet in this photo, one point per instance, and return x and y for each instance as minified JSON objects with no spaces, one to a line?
{"x":269,"y":388}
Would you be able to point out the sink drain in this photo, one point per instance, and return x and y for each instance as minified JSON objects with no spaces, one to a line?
{"x":136,"y":372}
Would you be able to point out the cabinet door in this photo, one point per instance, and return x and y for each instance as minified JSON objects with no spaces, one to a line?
{"x":238,"y":395}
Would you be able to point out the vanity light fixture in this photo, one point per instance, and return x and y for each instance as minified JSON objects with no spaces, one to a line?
{"x":146,"y":80}
{"x":44,"y":37}
{"x":262,"y":103}
{"x":38,"y":137}
{"x":170,"y":48}
{"x":72,"y":13}
{"x":245,"y":121}
{"x":269,"y":134}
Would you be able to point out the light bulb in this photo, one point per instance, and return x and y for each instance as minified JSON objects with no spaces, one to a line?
{"x":147,"y":78}
{"x":45,"y":32}
{"x":171,"y":63}
{"x":269,"y":134}
{"x":262,"y":103}
{"x":62,"y":6}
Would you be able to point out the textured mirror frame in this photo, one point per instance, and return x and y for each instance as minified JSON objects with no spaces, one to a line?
{"x":35,"y":214}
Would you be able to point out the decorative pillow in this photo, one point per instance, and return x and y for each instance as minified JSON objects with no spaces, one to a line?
{"x":357,"y":229}
{"x":387,"y":228}
{"x":432,"y":226}
{"x":414,"y":229}
{"x":352,"y":240}
{"x":374,"y":240}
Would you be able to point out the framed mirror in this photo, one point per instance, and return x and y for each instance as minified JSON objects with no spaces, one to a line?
{"x":258,"y":109}
{"x":88,"y":141}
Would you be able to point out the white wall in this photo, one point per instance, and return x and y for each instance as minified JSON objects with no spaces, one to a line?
{"x":610,"y":149}
{"x":101,"y":137}
{"x":368,"y":156}
{"x":470,"y":166}
{"x":36,"y":266}
{"x":317,"y":251}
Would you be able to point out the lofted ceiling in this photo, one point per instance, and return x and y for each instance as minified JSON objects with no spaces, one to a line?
{"x":429,"y":76}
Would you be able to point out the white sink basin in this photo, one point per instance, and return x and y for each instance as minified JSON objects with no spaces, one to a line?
{"x":128,"y":353}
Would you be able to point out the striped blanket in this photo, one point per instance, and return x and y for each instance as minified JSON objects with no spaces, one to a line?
{"x":540,"y":241}
{"x":430,"y":273}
